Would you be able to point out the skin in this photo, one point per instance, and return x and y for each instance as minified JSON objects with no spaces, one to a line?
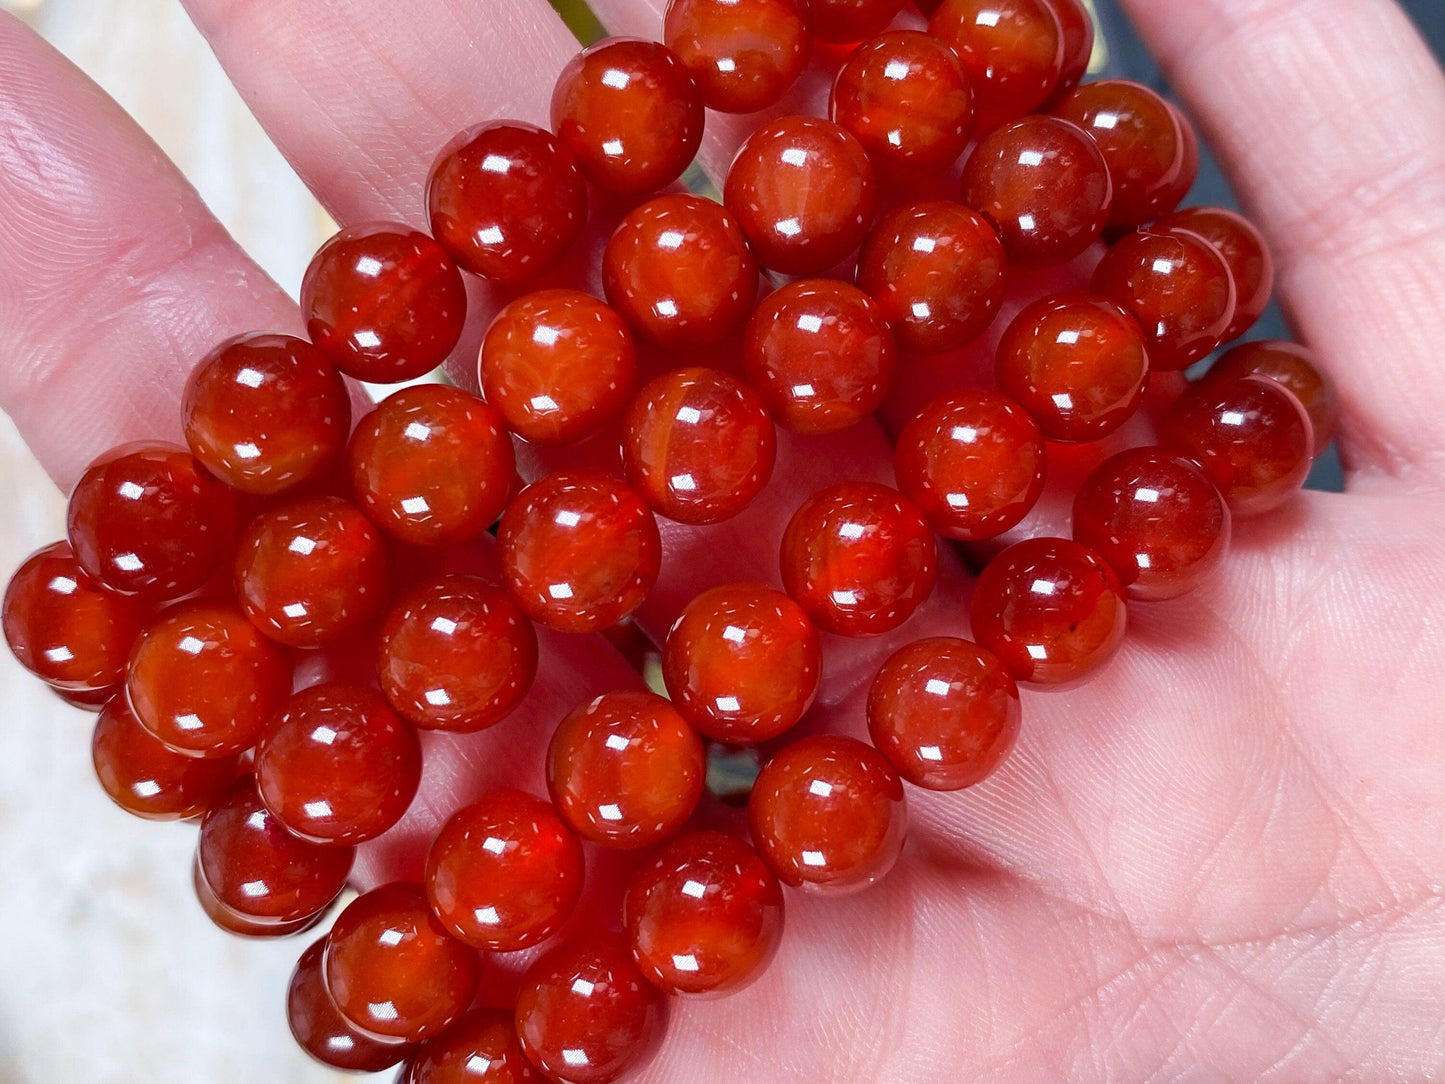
{"x":1221,"y":859}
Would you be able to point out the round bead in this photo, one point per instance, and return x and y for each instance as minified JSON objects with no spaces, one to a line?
{"x":1012,"y":52}
{"x":1050,"y":609}
{"x":827,"y":814}
{"x":851,"y":20}
{"x":630,"y":113}
{"x":944,"y":712}
{"x":804,"y":193}
{"x":145,"y":778}
{"x":937,"y":269}
{"x":1078,"y":30}
{"x":579,"y":550}
{"x":1244,"y":250}
{"x":1294,"y":367}
{"x":266,"y":412}
{"x":973,"y":463}
{"x":323,"y":1032}
{"x":480,"y":1048}
{"x":1189,"y":170}
{"x":625,"y":770}
{"x":742,"y":54}
{"x":240,"y":925}
{"x":506,"y":201}
{"x":504,"y":873}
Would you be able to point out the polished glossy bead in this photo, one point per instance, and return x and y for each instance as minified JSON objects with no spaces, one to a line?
{"x":630,"y":113}
{"x":323,"y":1032}
{"x":504,"y":873}
{"x":851,"y":20}
{"x":392,"y":969}
{"x":1251,"y":436}
{"x":480,"y":1048}
{"x":937,"y":269}
{"x":579,"y":550}
{"x":147,"y":519}
{"x":1298,"y":369}
{"x":1076,"y":363}
{"x":1156,"y":519}
{"x":457,"y":654}
{"x":145,"y":778}
{"x":1043,"y":183}
{"x":704,"y":916}
{"x":204,"y":681}
{"x":432,"y":465}
{"x":266,"y":412}
{"x":1177,"y":286}
{"x":558,"y":365}
{"x":680,"y":272}
{"x":742,"y":54}
{"x":506,"y":200}
{"x":827,"y":814}
{"x":944,"y":712}
{"x":1012,"y":52}
{"x":241,"y":925}
{"x":1244,"y":250}
{"x":1174,"y":194}
{"x":858,"y":558}
{"x":625,"y":770}
{"x":906,"y":99}
{"x":803,"y":191}
{"x":1052,"y":610}
{"x":311,"y":571}
{"x":973,"y":463}
{"x":1078,"y":30}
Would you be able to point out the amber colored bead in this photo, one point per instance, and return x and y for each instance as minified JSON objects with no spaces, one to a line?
{"x":937,"y":269}
{"x":1174,"y":194}
{"x":1156,"y":519}
{"x":1078,"y":30}
{"x":827,"y":814}
{"x":804,"y":193}
{"x":742,"y":54}
{"x":851,"y":20}
{"x":393,"y":971}
{"x":1251,"y":436}
{"x":1179,"y":288}
{"x":1298,"y":370}
{"x":1076,"y":363}
{"x":457,"y":654}
{"x":906,"y":99}
{"x":586,"y":1014}
{"x":323,"y":1032}
{"x":204,"y":681}
{"x":1012,"y":52}
{"x":973,"y":463}
{"x":1043,"y":183}
{"x":234,"y":922}
{"x":680,"y":272}
{"x":625,"y":770}
{"x":145,"y":778}
{"x":266,"y":412}
{"x":432,"y":465}
{"x":506,"y":200}
{"x":1244,"y":250}
{"x":480,"y":1048}
{"x":629,"y":112}
{"x":147,"y":519}
{"x":311,"y":571}
{"x":558,"y":365}
{"x":504,"y":873}
{"x":1051,"y":609}
{"x":579,"y":550}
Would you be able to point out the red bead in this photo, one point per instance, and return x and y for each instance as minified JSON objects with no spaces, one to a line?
{"x":586,"y":1014}
{"x":906,"y":99}
{"x":1050,"y":609}
{"x":480,"y":1048}
{"x":456,"y":654}
{"x":1043,"y":183}
{"x":937,"y":270}
{"x":1076,"y":363}
{"x":1156,"y":519}
{"x":1012,"y":52}
{"x":266,"y":412}
{"x":506,"y":200}
{"x":858,"y":558}
{"x":851,"y":20}
{"x":973,"y":463}
{"x":145,"y":778}
{"x":204,"y":681}
{"x":558,"y":365}
{"x":146,"y":519}
{"x":630,"y":113}
{"x":393,"y":971}
{"x":1244,"y":250}
{"x":311,"y":571}
{"x":504,"y":873}
{"x":625,"y":770}
{"x":704,"y":916}
{"x":742,"y":54}
{"x":323,"y":1032}
{"x":579,"y":550}
{"x":1294,"y":367}
{"x":679,"y":271}
{"x":1177,"y":286}
{"x":827,"y":814}
{"x":804,"y":193}
{"x":742,"y":663}
{"x":1078,"y":30}
{"x":944,"y":712}
{"x":821,"y":355}
{"x":1174,"y":195}
{"x":432,"y":465}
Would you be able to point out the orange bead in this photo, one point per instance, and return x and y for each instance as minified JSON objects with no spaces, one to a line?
{"x":145,"y":778}
{"x":323,"y":1032}
{"x":1294,"y":367}
{"x":1078,"y":29}
{"x":1244,"y":250}
{"x":742,"y":54}
{"x":1011,"y":50}
{"x":480,"y":1048}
